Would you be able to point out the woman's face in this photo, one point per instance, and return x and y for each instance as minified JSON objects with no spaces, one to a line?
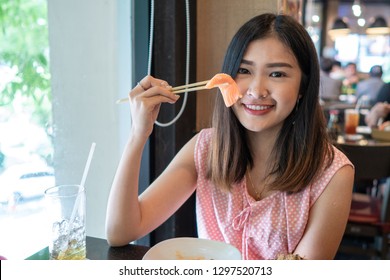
{"x":269,"y":78}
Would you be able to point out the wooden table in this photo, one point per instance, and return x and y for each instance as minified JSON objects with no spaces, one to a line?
{"x":366,"y":140}
{"x":98,"y":249}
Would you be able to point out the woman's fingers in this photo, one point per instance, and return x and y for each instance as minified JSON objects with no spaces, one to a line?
{"x":160,"y":94}
{"x":151,"y":87}
{"x":149,"y":81}
{"x":145,"y":100}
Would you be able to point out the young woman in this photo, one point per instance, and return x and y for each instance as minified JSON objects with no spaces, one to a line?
{"x":267,"y":179}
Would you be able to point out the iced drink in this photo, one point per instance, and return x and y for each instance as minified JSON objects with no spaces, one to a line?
{"x":351,"y":121}
{"x":66,"y":210}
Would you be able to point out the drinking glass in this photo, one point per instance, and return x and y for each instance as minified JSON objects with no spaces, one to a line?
{"x":351,"y":121}
{"x":66,"y":207}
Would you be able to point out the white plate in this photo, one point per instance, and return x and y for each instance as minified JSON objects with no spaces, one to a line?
{"x":353,"y":137}
{"x":363,"y":130}
{"x":189,"y":248}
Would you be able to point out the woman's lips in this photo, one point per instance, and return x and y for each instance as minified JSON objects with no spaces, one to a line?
{"x":255,"y":109}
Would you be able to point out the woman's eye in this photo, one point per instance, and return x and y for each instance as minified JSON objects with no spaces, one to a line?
{"x":277,"y":74}
{"x":242,"y":71}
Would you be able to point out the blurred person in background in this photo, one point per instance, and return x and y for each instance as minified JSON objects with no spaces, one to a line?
{"x":330,"y":88}
{"x":351,"y":78}
{"x":379,"y":114}
{"x":337,"y":71}
{"x":370,"y":87}
{"x":379,"y":117}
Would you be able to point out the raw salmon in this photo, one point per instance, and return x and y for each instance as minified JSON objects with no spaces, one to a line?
{"x":227,"y":86}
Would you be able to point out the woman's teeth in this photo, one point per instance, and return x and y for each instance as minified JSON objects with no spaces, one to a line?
{"x":257,"y":107}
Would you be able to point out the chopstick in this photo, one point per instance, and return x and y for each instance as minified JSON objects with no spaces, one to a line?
{"x":190,"y":85}
{"x":188,"y":89}
{"x":179,"y":89}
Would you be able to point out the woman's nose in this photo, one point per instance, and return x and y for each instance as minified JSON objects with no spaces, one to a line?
{"x":258,"y":89}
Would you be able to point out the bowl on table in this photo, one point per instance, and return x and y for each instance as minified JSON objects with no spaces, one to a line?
{"x":381,"y":135}
{"x":190,"y":248}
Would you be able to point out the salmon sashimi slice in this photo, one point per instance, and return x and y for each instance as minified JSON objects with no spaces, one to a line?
{"x":227,"y":86}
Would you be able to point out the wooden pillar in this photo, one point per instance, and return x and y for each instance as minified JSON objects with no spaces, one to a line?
{"x":169,"y":63}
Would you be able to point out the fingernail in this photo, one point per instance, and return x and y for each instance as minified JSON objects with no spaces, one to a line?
{"x":166,"y":85}
{"x":176,"y":97}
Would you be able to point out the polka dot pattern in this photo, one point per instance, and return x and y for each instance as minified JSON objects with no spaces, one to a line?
{"x":259,"y":229}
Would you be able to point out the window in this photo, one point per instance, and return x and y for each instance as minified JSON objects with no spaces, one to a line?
{"x":90,"y":67}
{"x":26,"y":167}
{"x":366,"y":51}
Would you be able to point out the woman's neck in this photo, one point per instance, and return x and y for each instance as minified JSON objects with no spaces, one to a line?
{"x":262,"y":145}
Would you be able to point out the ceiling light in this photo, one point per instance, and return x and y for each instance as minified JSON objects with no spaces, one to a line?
{"x":315,"y":18}
{"x":339,"y":28}
{"x":356,"y":8}
{"x":361,"y":22}
{"x":378,"y":27}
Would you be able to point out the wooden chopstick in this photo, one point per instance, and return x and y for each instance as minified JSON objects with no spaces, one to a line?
{"x":179,"y":89}
{"x":188,"y":89}
{"x":190,"y":85}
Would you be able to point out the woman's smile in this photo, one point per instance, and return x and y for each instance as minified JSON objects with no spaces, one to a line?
{"x":255,"y":109}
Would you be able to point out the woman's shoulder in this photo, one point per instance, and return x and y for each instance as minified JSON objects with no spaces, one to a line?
{"x":206,"y":131}
{"x":205,"y":135}
{"x":340,"y":158}
{"x":318,"y":186}
{"x":203,"y":138}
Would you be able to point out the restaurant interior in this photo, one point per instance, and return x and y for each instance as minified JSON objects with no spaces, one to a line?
{"x":184,"y":42}
{"x":354,"y":42}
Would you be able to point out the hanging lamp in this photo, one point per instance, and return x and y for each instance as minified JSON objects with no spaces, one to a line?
{"x":339,"y":28}
{"x":378,"y":27}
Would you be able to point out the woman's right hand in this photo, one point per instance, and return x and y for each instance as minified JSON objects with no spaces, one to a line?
{"x":145,"y":100}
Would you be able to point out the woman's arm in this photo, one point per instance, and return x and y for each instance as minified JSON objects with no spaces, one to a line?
{"x":328,"y":218}
{"x":130,"y":217}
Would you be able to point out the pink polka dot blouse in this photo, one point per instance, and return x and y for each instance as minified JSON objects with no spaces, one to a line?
{"x":259,"y":229}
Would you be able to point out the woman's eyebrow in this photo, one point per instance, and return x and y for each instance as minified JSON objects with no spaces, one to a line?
{"x":279,"y":64}
{"x":269,"y":65}
{"x":249,"y":62}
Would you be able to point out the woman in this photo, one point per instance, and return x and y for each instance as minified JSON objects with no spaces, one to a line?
{"x":267,"y":179}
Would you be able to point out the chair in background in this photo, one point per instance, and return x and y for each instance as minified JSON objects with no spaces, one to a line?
{"x":368,"y":228}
